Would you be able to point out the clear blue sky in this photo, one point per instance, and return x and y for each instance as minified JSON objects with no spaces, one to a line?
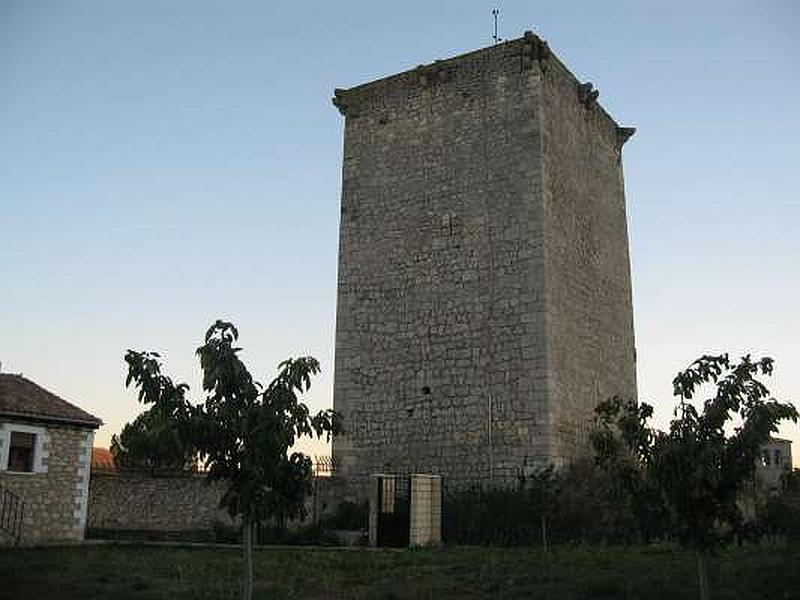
{"x":166,"y":163}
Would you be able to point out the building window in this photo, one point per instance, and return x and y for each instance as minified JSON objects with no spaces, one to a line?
{"x":21,"y":451}
{"x":778,"y":458}
{"x":765,"y":458}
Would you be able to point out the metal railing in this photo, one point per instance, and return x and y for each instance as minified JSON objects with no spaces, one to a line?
{"x":12,"y":511}
{"x":325,"y":466}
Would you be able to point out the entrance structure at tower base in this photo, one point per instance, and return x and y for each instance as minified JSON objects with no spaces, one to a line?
{"x":405,"y":510}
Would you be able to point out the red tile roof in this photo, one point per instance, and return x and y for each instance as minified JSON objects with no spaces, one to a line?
{"x":21,"y":398}
{"x":102,"y":460}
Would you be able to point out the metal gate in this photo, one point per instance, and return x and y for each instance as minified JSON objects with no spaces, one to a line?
{"x":393,"y":512}
{"x":12,"y":512}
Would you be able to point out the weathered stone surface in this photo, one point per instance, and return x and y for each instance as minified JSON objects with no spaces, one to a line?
{"x":425,"y":508}
{"x":54,"y":497}
{"x":484,"y":303}
{"x":184,"y":503}
{"x":142,"y":502}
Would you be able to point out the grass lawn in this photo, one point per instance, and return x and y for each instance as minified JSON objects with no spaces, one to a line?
{"x":143,"y":572}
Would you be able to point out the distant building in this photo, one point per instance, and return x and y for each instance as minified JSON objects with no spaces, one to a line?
{"x":775,"y":460}
{"x":45,"y":452}
{"x":103,"y":461}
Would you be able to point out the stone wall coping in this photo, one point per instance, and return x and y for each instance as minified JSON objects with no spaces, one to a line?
{"x":539,"y":48}
{"x":28,"y":417}
{"x":145,"y":474}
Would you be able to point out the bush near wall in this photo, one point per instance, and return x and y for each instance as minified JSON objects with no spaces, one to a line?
{"x":579,"y":505}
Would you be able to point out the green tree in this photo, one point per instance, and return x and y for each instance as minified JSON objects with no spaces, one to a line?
{"x":151,"y":442}
{"x":623,"y":447}
{"x":700,"y":466}
{"x":243,"y":432}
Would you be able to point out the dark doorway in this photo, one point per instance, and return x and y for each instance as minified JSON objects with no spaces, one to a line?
{"x":394,"y":500}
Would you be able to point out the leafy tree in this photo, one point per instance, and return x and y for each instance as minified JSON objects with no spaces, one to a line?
{"x":151,"y":442}
{"x":623,"y":447}
{"x":243,"y":432}
{"x":698,"y":468}
{"x":592,"y":507}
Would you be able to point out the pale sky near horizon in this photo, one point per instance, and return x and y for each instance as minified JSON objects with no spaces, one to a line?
{"x":163,"y":164}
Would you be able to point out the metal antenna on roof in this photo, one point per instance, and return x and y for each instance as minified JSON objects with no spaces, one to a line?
{"x":496,"y":14}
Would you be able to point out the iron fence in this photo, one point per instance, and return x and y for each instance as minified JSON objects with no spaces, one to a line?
{"x":12,"y":512}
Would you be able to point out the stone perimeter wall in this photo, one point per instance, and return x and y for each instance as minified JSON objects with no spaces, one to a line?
{"x":143,"y":502}
{"x":183,"y":504}
{"x":484,"y":285}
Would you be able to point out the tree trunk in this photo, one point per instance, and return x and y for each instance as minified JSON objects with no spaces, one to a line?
{"x":544,"y":533}
{"x":247,"y":567}
{"x":702,"y":573}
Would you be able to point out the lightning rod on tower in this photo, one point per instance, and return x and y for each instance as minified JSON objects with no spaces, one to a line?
{"x":496,"y":37}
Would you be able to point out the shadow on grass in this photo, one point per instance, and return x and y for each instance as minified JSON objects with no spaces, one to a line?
{"x":145,"y":572}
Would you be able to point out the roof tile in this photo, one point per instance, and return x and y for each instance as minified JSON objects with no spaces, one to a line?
{"x":20,"y":397}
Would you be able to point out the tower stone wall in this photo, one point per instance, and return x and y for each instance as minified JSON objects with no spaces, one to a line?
{"x":484,"y":302}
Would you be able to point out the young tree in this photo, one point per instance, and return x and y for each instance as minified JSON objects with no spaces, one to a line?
{"x":700,"y":466}
{"x":243,"y":432}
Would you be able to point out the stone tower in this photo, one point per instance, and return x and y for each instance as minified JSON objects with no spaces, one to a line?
{"x":484,"y":294}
